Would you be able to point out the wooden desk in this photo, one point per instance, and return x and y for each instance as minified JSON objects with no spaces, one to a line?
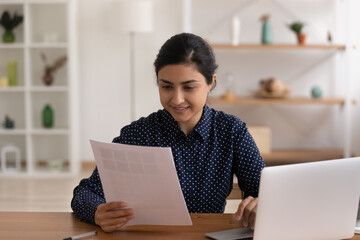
{"x":41,"y":225}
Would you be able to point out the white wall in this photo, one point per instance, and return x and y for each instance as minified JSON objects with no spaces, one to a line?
{"x":104,"y":68}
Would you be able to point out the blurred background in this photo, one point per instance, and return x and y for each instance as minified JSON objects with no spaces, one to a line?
{"x":74,"y":70}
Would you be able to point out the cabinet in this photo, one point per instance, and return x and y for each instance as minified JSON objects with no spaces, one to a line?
{"x":48,"y":28}
{"x":323,"y":125}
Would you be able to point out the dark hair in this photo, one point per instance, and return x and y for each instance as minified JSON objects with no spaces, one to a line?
{"x":187,"y":48}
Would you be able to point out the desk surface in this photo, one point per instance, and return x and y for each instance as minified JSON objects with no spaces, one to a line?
{"x":41,"y":225}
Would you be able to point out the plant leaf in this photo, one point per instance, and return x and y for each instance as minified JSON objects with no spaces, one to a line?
{"x":5,"y":20}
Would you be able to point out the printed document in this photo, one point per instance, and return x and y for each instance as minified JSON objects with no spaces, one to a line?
{"x":145,"y":178}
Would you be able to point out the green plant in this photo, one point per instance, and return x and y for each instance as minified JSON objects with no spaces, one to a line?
{"x":8,"y":22}
{"x":296,"y":27}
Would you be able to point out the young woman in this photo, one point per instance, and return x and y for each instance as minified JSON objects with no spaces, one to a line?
{"x":208,"y":146}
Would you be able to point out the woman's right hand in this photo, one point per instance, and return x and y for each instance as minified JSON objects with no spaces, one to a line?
{"x":111,"y":217}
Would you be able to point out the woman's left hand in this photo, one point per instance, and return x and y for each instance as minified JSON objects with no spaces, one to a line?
{"x":246,"y":212}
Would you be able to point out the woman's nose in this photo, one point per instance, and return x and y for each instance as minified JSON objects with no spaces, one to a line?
{"x":178,"y":97}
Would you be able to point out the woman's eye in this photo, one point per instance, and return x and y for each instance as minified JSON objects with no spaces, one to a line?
{"x":166,"y":87}
{"x":189,"y":87}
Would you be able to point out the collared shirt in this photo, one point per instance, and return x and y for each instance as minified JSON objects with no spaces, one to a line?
{"x":206,"y":159}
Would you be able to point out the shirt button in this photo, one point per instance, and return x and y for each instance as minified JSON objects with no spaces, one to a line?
{"x":188,"y":144}
{"x":190,"y":168}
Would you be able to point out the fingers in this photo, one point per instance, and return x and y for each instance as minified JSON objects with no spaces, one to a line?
{"x":116,"y":224}
{"x":250,"y":207}
{"x":112,"y":205}
{"x":111,"y":216}
{"x":246,"y":212}
{"x":252,"y":218}
{"x":239,"y":213}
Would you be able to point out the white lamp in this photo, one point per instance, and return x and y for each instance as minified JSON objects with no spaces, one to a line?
{"x":133,"y":16}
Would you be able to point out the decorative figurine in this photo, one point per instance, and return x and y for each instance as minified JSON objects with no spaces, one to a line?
{"x":6,"y":160}
{"x":50,"y":70}
{"x":4,"y":82}
{"x":316,"y":92}
{"x":8,"y":123}
{"x":273,"y":88}
{"x":329,"y":37}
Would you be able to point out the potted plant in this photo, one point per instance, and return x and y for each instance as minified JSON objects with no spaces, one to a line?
{"x":9,"y":23}
{"x":297,"y":27}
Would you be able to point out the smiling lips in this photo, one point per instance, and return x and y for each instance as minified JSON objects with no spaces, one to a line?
{"x":180,"y":109}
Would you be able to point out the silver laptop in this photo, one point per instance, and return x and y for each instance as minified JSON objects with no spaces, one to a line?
{"x":317,"y":200}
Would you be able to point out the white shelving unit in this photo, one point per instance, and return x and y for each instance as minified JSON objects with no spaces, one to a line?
{"x":345,"y":101}
{"x":24,"y":103}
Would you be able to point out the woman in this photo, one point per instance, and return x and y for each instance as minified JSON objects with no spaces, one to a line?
{"x":208,"y":146}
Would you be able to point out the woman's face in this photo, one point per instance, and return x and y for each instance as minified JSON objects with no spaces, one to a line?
{"x":183,"y":92}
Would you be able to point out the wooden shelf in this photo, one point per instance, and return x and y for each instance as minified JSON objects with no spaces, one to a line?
{"x":279,"y":46}
{"x":278,"y":101}
{"x":289,"y":156}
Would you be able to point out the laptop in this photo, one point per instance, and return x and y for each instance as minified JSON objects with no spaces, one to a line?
{"x":317,"y":200}
{"x":357,"y":228}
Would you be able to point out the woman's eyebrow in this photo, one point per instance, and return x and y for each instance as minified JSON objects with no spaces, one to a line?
{"x":183,"y":83}
{"x":165,"y":81}
{"x":189,"y":81}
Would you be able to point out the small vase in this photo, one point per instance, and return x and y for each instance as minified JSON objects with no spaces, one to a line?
{"x":12,"y":73}
{"x":266,"y":37}
{"x":235,"y":31}
{"x":8,"y":37}
{"x":48,"y":116}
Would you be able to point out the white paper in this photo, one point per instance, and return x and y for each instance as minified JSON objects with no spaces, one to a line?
{"x":145,"y":178}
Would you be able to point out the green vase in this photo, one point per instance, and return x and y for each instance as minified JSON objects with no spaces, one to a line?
{"x":12,"y":73}
{"x":48,"y":116}
{"x":8,"y":36}
{"x":266,"y":36}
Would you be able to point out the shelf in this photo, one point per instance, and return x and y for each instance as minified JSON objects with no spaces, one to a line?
{"x":49,"y":45}
{"x":278,"y":101}
{"x":280,"y":46}
{"x":12,"y":2}
{"x":16,"y":174}
{"x":12,"y":131}
{"x":12,"y":89}
{"x":12,"y":46}
{"x":49,"y":89}
{"x":281,"y":157}
{"x":47,"y":2}
{"x":52,"y":131}
{"x":46,"y":29}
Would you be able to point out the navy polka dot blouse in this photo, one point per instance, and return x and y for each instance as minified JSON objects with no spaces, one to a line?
{"x":206,"y":159}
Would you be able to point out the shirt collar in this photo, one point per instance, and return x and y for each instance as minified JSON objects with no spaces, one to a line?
{"x":204,"y":125}
{"x":202,"y":129}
